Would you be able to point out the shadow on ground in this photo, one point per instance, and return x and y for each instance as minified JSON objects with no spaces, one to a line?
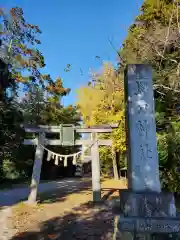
{"x":88,"y":221}
{"x":59,"y":195}
{"x":83,"y":220}
{"x":50,"y":192}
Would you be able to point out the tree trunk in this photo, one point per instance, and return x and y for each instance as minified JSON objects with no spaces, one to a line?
{"x":118,"y":156}
{"x":114,"y":162}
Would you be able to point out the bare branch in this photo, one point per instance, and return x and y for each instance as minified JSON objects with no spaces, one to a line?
{"x":165,"y":87}
{"x":112,"y":45}
{"x":160,"y":54}
{"x":168,"y":32}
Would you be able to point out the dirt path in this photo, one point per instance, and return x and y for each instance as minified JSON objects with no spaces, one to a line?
{"x":71,"y":216}
{"x":6,"y":230}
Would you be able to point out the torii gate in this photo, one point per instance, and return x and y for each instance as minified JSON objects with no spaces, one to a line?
{"x":65,"y":140}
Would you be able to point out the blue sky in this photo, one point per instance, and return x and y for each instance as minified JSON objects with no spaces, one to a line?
{"x":75,"y":32}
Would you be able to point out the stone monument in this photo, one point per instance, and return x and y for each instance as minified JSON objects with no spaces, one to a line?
{"x":145,"y":209}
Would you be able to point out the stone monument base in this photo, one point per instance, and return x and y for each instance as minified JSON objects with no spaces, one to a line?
{"x":149,"y":225}
{"x":147,"y":204}
{"x":148,"y":215}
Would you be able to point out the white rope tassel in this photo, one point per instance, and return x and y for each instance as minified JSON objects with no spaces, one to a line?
{"x":56,"y":160}
{"x":65,"y":161}
{"x":57,"y":156}
{"x":82,"y":156}
{"x":77,"y":156}
{"x":84,"y":148}
{"x":49,"y":156}
{"x":74,"y":159}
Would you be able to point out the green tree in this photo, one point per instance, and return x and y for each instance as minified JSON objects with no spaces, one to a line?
{"x":43,"y":95}
{"x":154,"y":39}
{"x":33,"y":106}
{"x":20,"y":39}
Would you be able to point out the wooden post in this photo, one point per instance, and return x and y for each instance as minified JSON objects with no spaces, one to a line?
{"x":114,"y":161}
{"x":96,"y":185}
{"x":36,"y":169}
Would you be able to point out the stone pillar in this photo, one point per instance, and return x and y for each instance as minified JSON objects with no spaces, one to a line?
{"x":143,"y":199}
{"x":96,"y":185}
{"x":36,"y":169}
{"x":143,"y":166}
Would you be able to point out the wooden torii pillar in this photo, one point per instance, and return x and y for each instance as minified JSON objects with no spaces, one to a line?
{"x":94,"y":142}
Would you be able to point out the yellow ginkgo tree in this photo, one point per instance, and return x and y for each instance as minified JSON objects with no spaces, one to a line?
{"x":102,"y":102}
